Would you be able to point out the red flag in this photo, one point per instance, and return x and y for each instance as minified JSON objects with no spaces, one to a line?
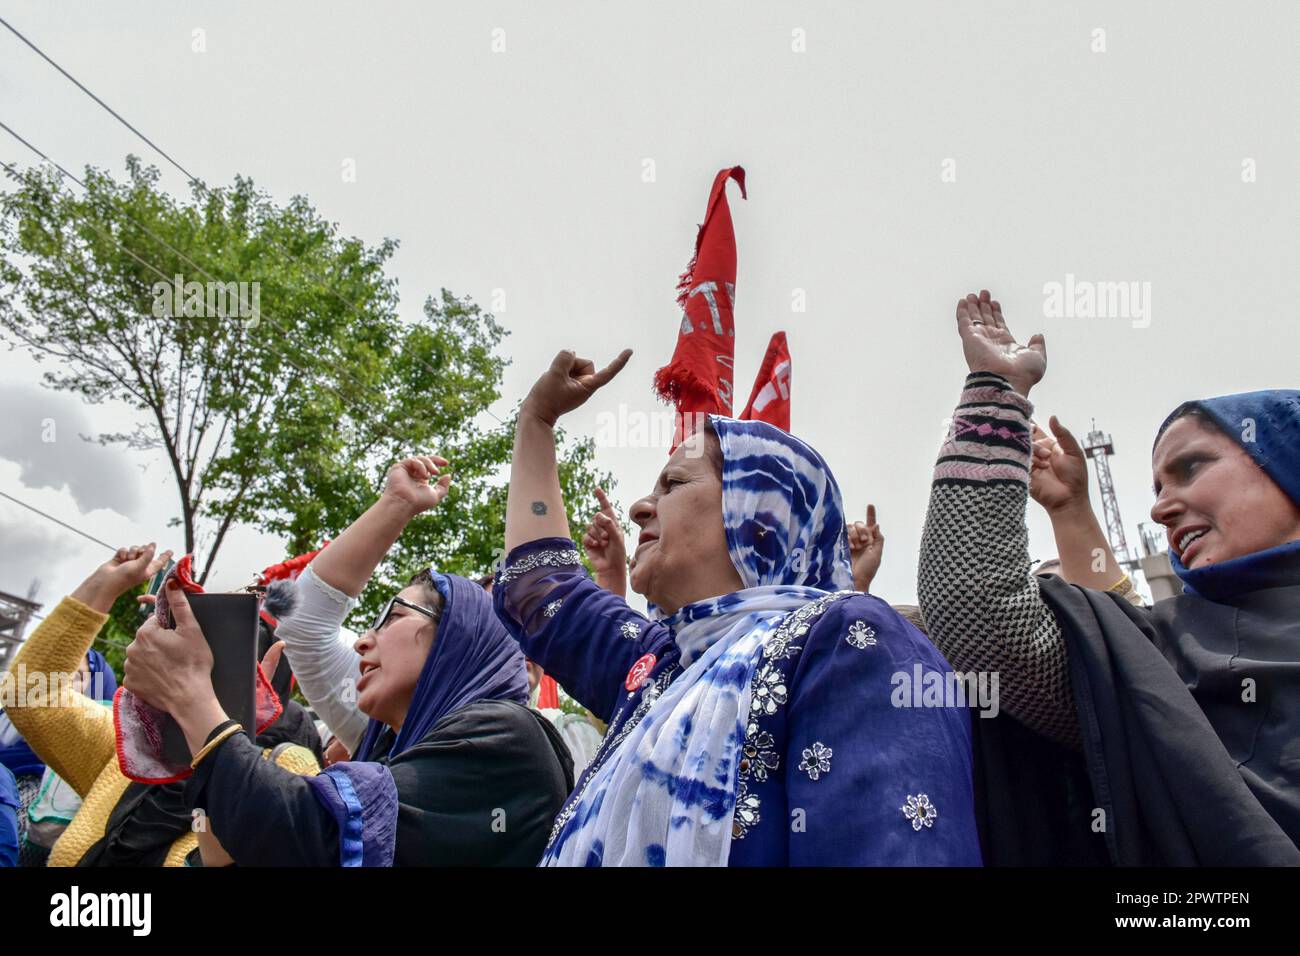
{"x":698,"y":380}
{"x":288,"y":569}
{"x":548,"y":693}
{"x":770,"y":400}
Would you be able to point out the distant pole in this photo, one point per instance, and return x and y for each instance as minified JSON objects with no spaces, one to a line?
{"x":1099,"y":448}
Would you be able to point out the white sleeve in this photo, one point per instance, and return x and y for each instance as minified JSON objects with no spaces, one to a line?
{"x":327,"y":669}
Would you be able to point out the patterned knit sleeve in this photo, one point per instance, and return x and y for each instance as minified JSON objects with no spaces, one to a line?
{"x":979,"y":599}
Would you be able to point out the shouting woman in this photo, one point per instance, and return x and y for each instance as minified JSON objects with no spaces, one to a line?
{"x":1161,"y":736}
{"x":753,"y":718}
{"x":452,"y":768}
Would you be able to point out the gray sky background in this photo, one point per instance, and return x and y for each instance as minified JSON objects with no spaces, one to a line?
{"x":522,"y":171}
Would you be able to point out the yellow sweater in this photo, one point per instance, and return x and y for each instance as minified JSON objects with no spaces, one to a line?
{"x":74,"y":735}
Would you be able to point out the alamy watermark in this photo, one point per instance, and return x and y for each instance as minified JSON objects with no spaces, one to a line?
{"x":75,"y":908}
{"x":208,"y":300}
{"x":922,"y":688}
{"x":1084,"y":299}
{"x":19,"y":688}
{"x":633,"y":428}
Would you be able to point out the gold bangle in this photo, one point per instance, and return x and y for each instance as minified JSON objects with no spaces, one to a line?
{"x":1123,"y":586}
{"x":212,"y":744}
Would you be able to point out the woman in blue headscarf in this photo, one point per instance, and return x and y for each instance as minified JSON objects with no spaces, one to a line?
{"x":756,"y":716}
{"x":453,"y":767}
{"x":1130,"y":736}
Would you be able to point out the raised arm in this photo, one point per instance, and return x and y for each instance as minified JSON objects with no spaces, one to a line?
{"x":351,"y":559}
{"x":1058,"y":482}
{"x":605,"y":547}
{"x":327,"y":670}
{"x":979,"y":600}
{"x":535,"y":505}
{"x":69,"y":731}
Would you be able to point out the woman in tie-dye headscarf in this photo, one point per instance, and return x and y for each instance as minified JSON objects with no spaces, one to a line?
{"x":763,"y":713}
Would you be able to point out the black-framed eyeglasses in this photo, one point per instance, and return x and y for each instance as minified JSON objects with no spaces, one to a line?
{"x":386,"y":612}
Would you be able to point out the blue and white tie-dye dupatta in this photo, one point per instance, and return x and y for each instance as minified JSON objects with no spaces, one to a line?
{"x":668,"y":794}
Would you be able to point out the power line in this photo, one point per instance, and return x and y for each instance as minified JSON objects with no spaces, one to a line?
{"x":41,"y":53}
{"x":149,"y":232}
{"x":199,"y":183}
{"x":113,"y":239}
{"x":339,"y":364}
{"x":383,"y":433}
{"x":90,"y":537}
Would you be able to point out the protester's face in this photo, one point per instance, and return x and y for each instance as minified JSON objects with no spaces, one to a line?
{"x":391,"y":660}
{"x":1205,"y":482}
{"x":534,"y":676}
{"x":681,"y":555}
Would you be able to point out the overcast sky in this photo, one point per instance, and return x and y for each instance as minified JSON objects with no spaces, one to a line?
{"x":898,"y":156}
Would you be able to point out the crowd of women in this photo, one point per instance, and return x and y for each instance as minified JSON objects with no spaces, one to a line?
{"x":753,"y":716}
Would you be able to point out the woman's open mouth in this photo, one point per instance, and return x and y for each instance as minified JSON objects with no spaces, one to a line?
{"x":1187,"y":542}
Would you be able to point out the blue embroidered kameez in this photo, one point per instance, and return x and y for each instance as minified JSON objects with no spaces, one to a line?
{"x":830,"y":773}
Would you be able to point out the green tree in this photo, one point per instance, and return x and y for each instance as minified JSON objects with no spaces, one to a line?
{"x":284,"y":417}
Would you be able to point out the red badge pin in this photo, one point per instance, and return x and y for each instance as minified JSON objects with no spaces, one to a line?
{"x":640,"y":671}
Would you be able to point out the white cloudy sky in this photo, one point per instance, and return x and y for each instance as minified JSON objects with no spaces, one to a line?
{"x":522,"y":171}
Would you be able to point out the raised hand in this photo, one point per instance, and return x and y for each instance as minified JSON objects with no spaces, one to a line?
{"x":170,"y":667}
{"x":126,"y":569}
{"x":568,"y":383}
{"x":866,"y":548}
{"x":989,"y":345}
{"x":1058,"y":479}
{"x":409,"y":480}
{"x":606,"y":548}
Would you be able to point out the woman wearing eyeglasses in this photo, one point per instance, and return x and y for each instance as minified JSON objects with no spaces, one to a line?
{"x":449,"y":765}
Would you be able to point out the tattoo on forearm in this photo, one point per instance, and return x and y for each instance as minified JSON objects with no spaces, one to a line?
{"x":539,"y":507}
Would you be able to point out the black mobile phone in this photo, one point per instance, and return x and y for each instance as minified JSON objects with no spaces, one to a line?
{"x":229,"y":623}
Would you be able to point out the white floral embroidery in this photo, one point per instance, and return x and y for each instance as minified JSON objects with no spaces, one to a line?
{"x":920,"y":811}
{"x":816,"y":760}
{"x":861,"y":635}
{"x":746,"y":816}
{"x":767,"y":694}
{"x":553,"y":608}
{"x":768,"y":691}
{"x":550,"y":557}
{"x":631,"y":630}
{"x":758,"y":753}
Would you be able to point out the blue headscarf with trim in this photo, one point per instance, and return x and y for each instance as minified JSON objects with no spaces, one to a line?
{"x":667,"y":795}
{"x":1266,"y":425}
{"x":472,"y":658}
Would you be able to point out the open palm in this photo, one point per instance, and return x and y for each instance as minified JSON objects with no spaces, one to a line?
{"x":989,"y":345}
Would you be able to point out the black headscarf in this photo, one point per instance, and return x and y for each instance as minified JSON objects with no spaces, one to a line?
{"x":1182,"y":763}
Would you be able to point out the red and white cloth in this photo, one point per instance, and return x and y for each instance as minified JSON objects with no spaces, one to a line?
{"x":699,"y":378}
{"x":139,"y":726}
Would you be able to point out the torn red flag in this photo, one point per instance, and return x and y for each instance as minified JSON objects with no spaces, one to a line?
{"x":698,"y":380}
{"x":288,"y":569}
{"x":770,"y":400}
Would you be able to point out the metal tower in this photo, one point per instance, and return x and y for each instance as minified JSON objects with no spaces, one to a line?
{"x":15,"y":614}
{"x":1099,"y":448}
